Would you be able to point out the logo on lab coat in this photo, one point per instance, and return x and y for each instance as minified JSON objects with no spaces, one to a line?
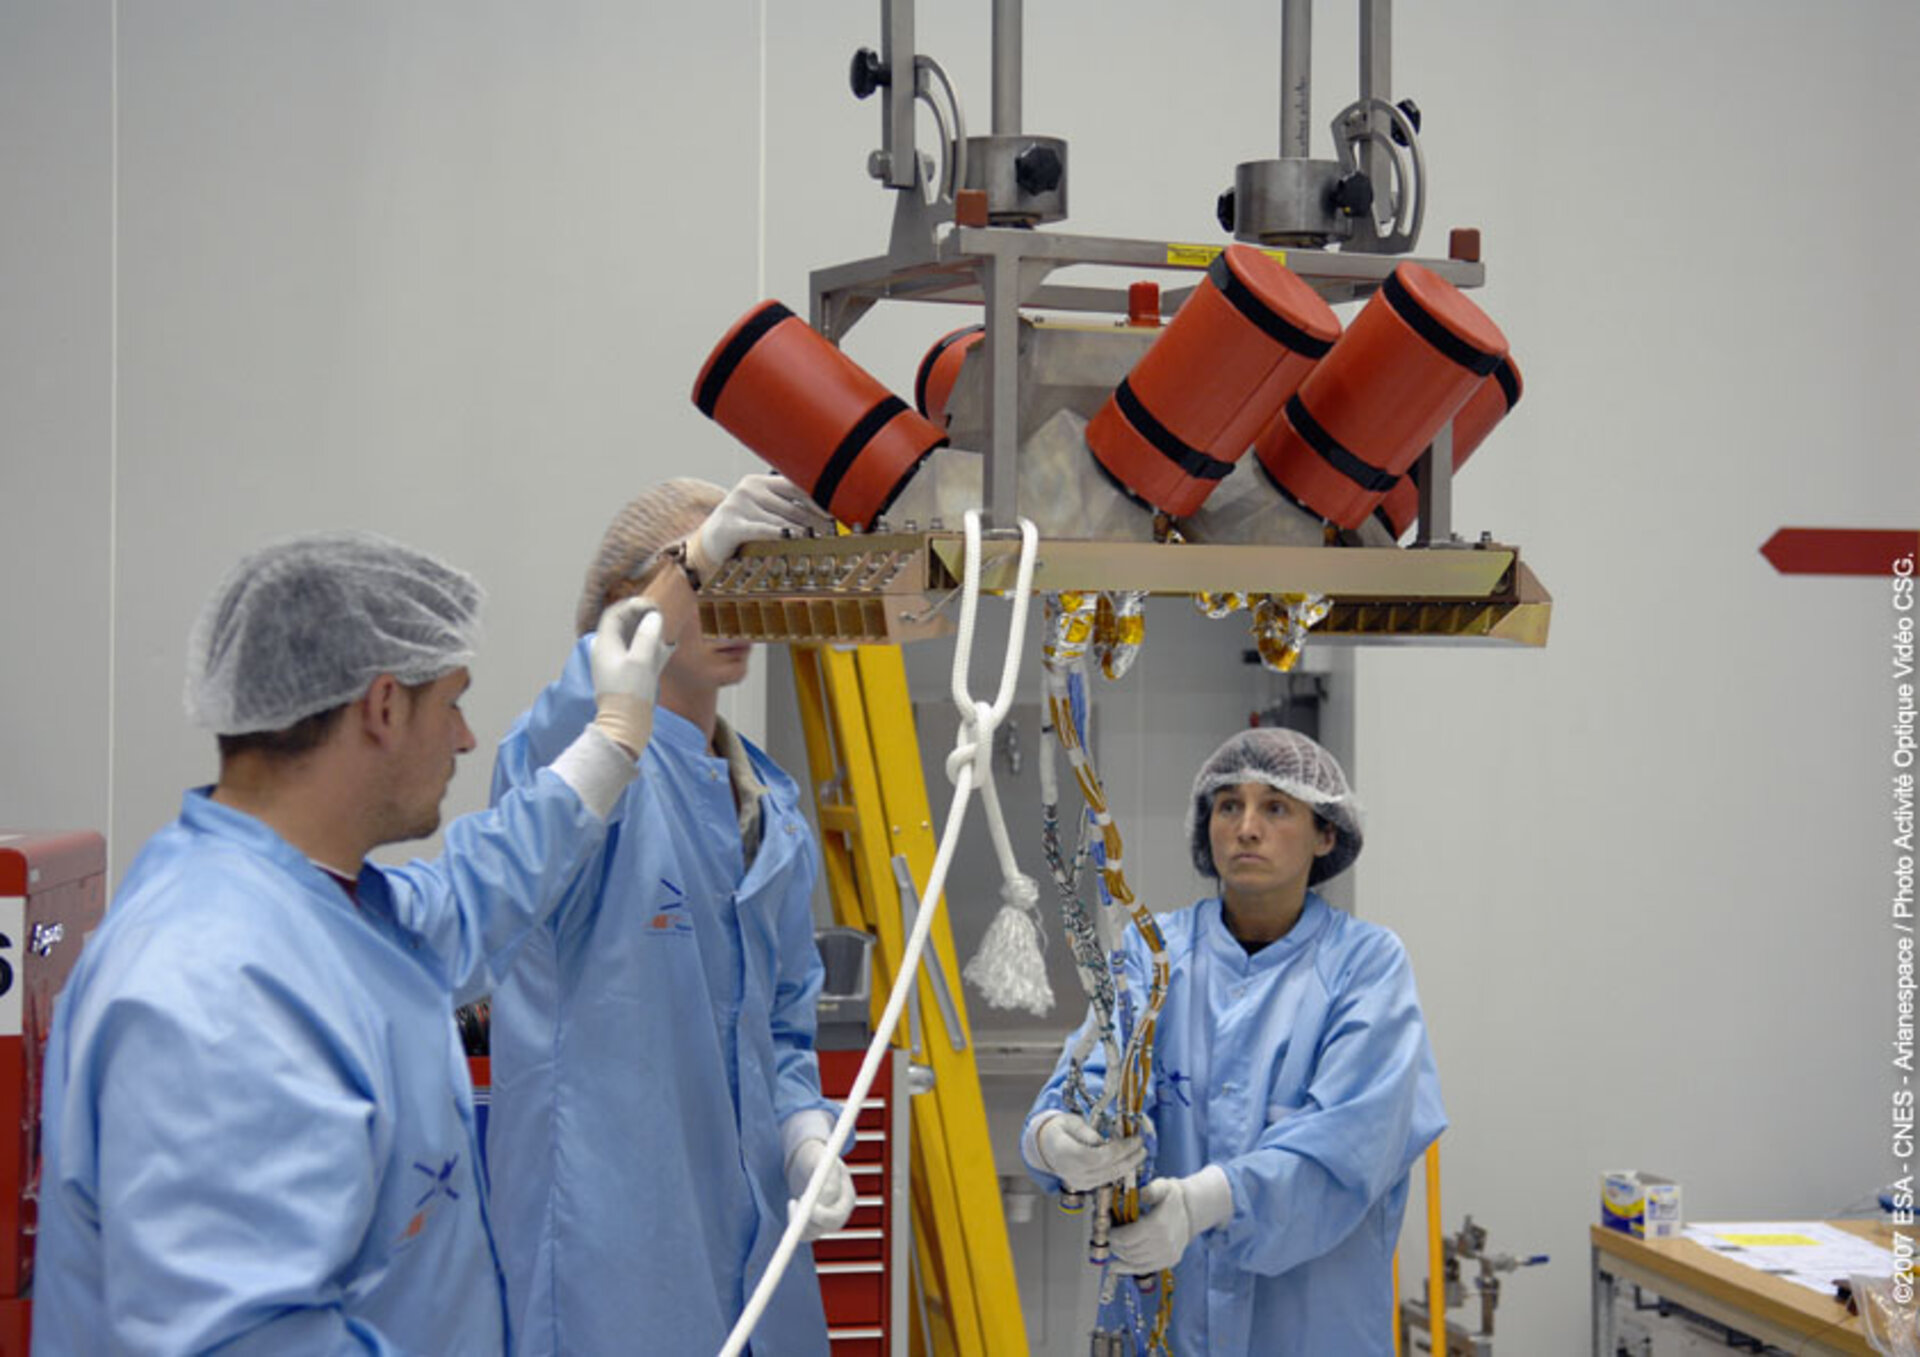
{"x":670,"y":917}
{"x":1171,"y":1086}
{"x":435,"y":1182}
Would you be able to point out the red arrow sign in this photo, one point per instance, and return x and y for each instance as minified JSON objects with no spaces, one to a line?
{"x":1839,"y":551}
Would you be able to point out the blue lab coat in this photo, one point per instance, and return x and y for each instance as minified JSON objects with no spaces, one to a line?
{"x":1304,"y":1072}
{"x":647,"y":1045}
{"x":259,"y":1130}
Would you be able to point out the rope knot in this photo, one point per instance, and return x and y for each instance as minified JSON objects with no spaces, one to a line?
{"x":974,"y":744}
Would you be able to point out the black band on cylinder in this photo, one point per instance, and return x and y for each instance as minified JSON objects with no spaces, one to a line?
{"x":730,"y":357}
{"x":1444,"y":341}
{"x":1361,"y":472}
{"x":851,"y":447}
{"x":1276,"y":327}
{"x":1509,"y":382}
{"x":933,"y":356}
{"x":1189,"y":459}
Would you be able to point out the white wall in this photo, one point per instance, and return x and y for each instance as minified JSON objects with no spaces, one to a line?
{"x":448,"y":271}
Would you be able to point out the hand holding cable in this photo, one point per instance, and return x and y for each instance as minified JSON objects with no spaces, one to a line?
{"x":1080,"y":1157}
{"x":1177,"y":1210}
{"x":835,"y":1201}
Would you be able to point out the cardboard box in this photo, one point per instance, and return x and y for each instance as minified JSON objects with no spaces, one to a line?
{"x":1644,"y":1205}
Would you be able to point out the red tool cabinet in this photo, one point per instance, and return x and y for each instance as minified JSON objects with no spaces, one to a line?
{"x":863,"y":1267}
{"x":53,"y":893}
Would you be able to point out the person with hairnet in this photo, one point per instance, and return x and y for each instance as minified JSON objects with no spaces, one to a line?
{"x":1293,"y":1087}
{"x":656,"y":1098}
{"x":258,"y":1128}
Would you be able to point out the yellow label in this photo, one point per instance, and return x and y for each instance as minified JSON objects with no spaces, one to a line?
{"x":1199,"y":256}
{"x":1767,"y":1241}
{"x":1192,"y":256}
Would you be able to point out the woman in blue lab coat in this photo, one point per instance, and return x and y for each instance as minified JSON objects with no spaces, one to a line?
{"x":656,"y":1095}
{"x":1293,"y":1086}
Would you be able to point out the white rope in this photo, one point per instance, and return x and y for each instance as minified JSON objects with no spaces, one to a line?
{"x":978,"y":721}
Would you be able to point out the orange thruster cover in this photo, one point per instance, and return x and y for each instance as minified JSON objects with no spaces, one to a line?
{"x":1413,"y":356}
{"x":940,"y":369}
{"x":1249,"y":334}
{"x":52,"y":896}
{"x":1490,"y":403}
{"x":820,"y":418}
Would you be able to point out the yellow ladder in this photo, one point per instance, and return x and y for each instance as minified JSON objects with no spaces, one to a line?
{"x":871,"y":800}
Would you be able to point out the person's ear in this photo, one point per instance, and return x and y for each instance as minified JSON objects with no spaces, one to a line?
{"x":1327,"y":840}
{"x":383,"y":709}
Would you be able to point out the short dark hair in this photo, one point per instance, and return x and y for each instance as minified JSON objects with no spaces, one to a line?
{"x":302,"y":737}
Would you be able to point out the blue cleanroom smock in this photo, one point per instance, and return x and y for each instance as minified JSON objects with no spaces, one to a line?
{"x":1303,"y":1071}
{"x":259,"y":1130}
{"x":647,"y":1044}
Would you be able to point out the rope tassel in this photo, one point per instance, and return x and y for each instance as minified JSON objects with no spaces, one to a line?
{"x":1010,"y":969}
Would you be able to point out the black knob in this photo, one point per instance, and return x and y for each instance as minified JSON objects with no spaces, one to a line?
{"x":1353,"y":194}
{"x":1412,"y":110}
{"x":867,"y":73}
{"x":1223,"y":209}
{"x":1038,"y":168}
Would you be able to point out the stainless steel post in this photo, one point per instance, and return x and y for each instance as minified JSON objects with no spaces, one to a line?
{"x":1376,"y":82}
{"x":1433,"y":475}
{"x":1008,"y":46}
{"x":1000,"y":468}
{"x":1296,"y":78}
{"x":902,"y":161}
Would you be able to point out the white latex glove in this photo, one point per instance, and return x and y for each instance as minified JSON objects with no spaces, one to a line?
{"x":1072,"y":1151}
{"x":835,"y":1203}
{"x":756,"y":509}
{"x":626,"y":658}
{"x":1174,"y":1210}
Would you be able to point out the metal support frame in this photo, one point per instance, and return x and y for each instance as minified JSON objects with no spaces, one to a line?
{"x":1000,"y":472}
{"x":1004,"y":269}
{"x":1433,"y":476}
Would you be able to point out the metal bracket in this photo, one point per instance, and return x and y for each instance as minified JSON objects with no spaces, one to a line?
{"x":909,"y":911}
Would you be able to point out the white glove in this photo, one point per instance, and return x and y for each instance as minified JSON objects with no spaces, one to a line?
{"x":1175,"y":1210}
{"x":755,"y":510}
{"x":1072,"y":1151}
{"x":626,"y":658}
{"x":835,"y":1203}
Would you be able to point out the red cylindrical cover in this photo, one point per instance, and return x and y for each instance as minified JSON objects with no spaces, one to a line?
{"x":1410,"y":360}
{"x":820,"y":418}
{"x":1236,"y":349}
{"x":1143,"y":303}
{"x":940,"y":369}
{"x":1486,"y":407}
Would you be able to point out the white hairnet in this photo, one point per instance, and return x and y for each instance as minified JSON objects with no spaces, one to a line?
{"x":1290,"y":762}
{"x":304,"y":625}
{"x":638,"y":534}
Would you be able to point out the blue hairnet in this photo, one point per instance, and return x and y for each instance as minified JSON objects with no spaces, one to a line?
{"x":1289,"y":762}
{"x":304,"y":625}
